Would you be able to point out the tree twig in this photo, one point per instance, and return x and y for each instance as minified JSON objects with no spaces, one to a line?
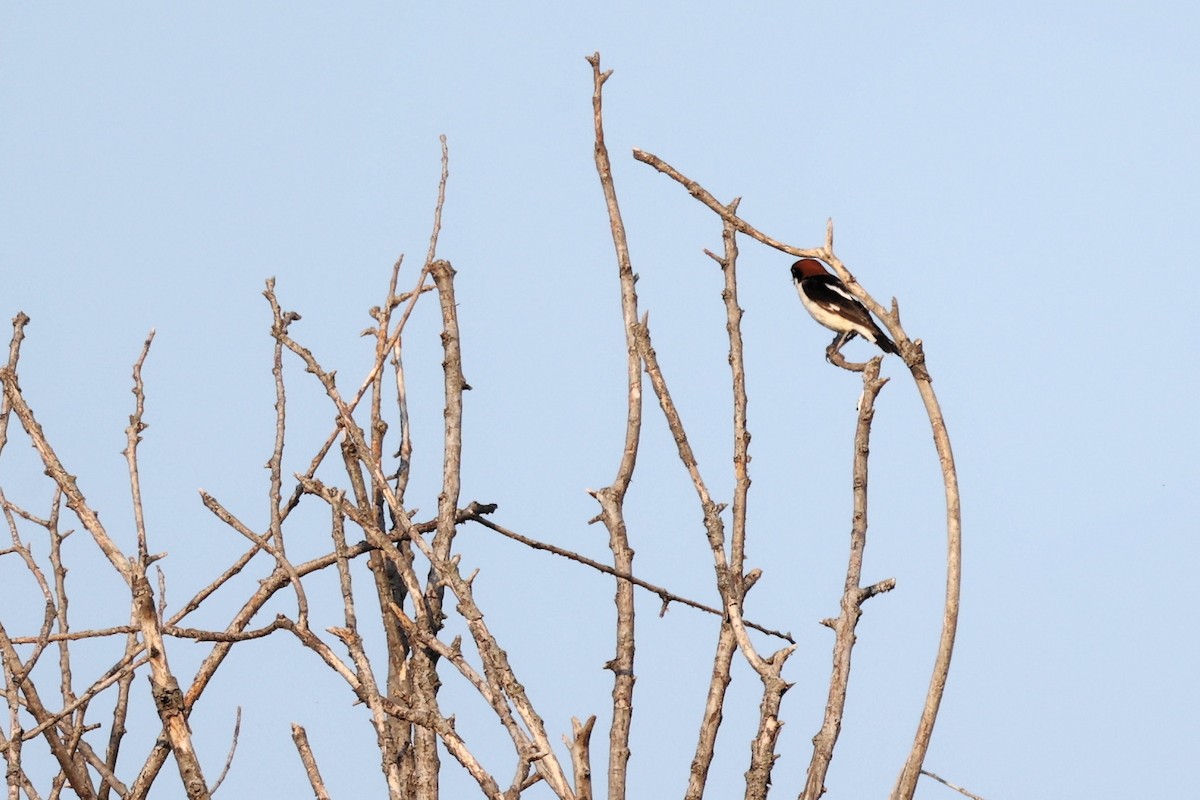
{"x":725,"y":212}
{"x":237,"y":729}
{"x":133,"y":436}
{"x":958,"y":789}
{"x":665,"y":595}
{"x":14,"y":353}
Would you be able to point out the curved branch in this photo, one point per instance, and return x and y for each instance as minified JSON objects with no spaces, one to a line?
{"x":906,"y":784}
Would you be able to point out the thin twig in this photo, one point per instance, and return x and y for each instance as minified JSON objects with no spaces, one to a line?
{"x":665,"y":595}
{"x":237,"y":729}
{"x":226,"y":516}
{"x":411,"y":298}
{"x":958,"y":789}
{"x":441,"y":202}
{"x":133,"y":436}
{"x":126,"y":666}
{"x":737,"y":366}
{"x":52,"y":600}
{"x":14,"y":353}
{"x":704,"y":196}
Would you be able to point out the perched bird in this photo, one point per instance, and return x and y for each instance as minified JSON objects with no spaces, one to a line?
{"x":827,"y":300}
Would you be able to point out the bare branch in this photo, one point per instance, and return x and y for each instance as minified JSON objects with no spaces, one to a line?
{"x":237,"y":729}
{"x":453,"y":742}
{"x":762,"y":751}
{"x":726,"y":639}
{"x":612,"y":498}
{"x":441,"y":202}
{"x":14,"y":353}
{"x":300,"y":737}
{"x":223,"y":514}
{"x":737,"y":366}
{"x":665,"y":595}
{"x":424,"y":718}
{"x":853,"y":595}
{"x":714,"y":705}
{"x":491,"y":693}
{"x":123,"y":668}
{"x":52,"y":611}
{"x":61,"y":744}
{"x":393,"y":342}
{"x":58,"y":473}
{"x":495,"y":660}
{"x":762,"y":748}
{"x":362,"y":665}
{"x":906,"y":785}
{"x":725,"y":212}
{"x":133,"y":436}
{"x":396,"y":737}
{"x":455,"y":384}
{"x":275,"y":462}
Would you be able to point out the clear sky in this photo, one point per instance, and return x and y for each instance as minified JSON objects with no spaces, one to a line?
{"x":1021,"y":176}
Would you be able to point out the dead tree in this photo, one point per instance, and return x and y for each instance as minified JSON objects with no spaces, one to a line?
{"x":416,"y":580}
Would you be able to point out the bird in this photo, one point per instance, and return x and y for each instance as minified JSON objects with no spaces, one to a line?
{"x":826,"y":298}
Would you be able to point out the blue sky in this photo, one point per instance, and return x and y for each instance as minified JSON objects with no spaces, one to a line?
{"x":1022,"y":177}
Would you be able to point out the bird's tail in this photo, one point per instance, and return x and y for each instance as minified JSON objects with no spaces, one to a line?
{"x":885,"y":344}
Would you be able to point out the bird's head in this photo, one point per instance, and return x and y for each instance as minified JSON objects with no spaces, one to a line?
{"x":807,"y":268}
